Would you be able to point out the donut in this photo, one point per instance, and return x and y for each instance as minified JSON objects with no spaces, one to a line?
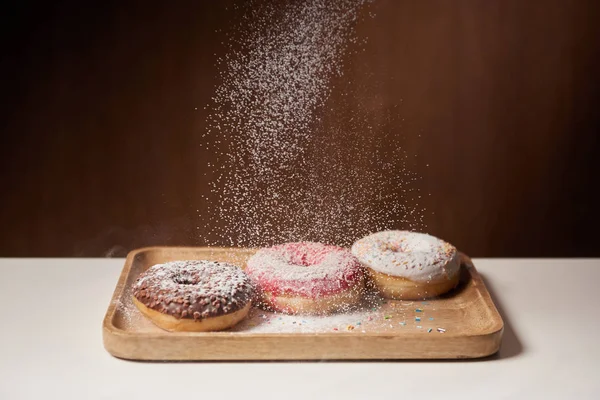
{"x":306,"y":278}
{"x":407,"y":265}
{"x":194,"y":296}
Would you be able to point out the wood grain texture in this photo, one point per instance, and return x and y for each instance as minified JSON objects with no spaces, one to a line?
{"x":473,"y":326}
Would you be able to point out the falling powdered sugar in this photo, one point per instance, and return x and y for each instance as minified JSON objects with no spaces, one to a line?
{"x":279,"y":174}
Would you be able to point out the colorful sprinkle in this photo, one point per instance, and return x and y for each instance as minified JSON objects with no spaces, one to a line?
{"x":418,"y":310}
{"x":350,"y":328}
{"x":335,"y":329}
{"x":402,"y":323}
{"x":429,"y":330}
{"x":431,"y":318}
{"x":419,"y":326}
{"x":418,"y":319}
{"x":387,"y":317}
{"x":358,"y":323}
{"x":370,"y":318}
{"x":441,"y":330}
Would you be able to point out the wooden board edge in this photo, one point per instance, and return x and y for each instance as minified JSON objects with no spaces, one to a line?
{"x":109,"y":330}
{"x":297,"y":349}
{"x":498,"y":327}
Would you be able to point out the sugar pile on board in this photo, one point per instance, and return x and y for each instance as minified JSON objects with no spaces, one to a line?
{"x":279,"y":174}
{"x":373,"y":315}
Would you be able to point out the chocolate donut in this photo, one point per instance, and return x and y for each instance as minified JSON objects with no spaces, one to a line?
{"x":195,"y":295}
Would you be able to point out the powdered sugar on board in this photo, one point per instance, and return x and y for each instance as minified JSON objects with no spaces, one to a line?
{"x":374,"y":315}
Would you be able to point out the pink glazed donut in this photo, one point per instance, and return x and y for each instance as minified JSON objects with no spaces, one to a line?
{"x":306,"y":278}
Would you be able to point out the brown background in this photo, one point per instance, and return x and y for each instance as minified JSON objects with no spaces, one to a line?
{"x":100,"y":136}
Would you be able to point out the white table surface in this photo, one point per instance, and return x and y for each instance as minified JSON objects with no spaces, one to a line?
{"x":52,"y":311}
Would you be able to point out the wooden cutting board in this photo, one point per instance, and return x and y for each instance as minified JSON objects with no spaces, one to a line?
{"x":461,"y":324}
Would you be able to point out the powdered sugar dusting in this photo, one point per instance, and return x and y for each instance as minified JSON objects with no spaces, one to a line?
{"x":260,"y":321}
{"x":278,"y":176}
{"x":305,"y":269}
{"x":194,"y":289}
{"x":373,"y":315}
{"x":196,"y":277}
{"x":416,"y":256}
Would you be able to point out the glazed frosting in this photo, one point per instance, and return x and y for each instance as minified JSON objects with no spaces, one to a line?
{"x":415,"y":256}
{"x":304,"y":269}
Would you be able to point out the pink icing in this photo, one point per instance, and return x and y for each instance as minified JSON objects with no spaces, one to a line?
{"x":304,"y":269}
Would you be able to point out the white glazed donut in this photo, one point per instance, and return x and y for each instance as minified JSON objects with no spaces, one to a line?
{"x":408,"y":265}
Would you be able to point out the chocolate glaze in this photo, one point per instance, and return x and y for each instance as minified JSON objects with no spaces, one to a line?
{"x":194,"y":289}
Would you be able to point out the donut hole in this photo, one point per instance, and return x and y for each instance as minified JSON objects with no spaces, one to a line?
{"x":185,"y":279}
{"x":301,"y":260}
{"x":305,"y":259}
{"x":402,"y":246}
{"x":393,"y":247}
{"x":304,"y":254}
